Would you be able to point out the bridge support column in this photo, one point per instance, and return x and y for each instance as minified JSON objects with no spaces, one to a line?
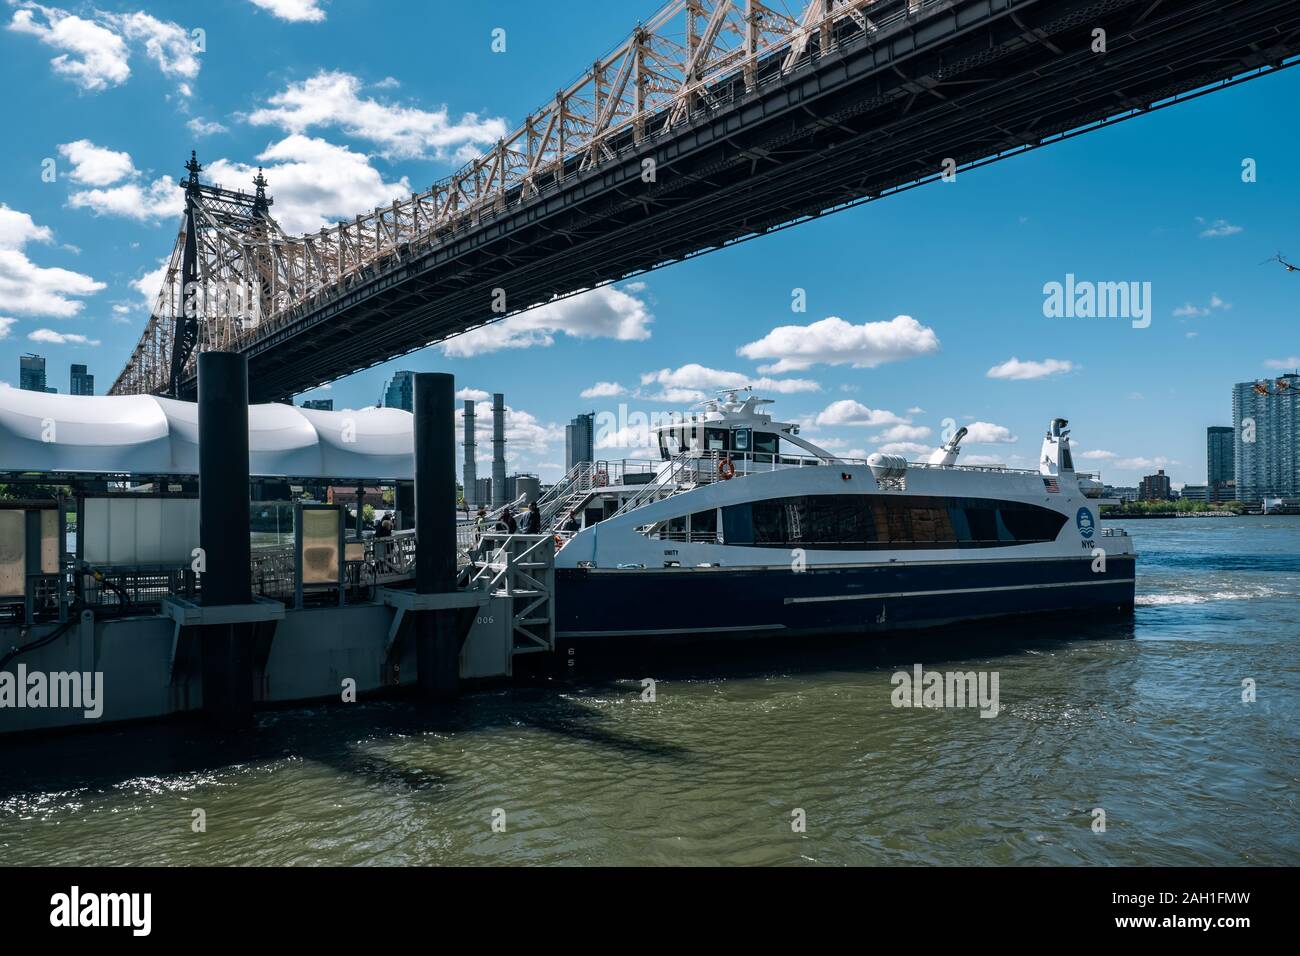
{"x":438,"y":637}
{"x":226,"y":648}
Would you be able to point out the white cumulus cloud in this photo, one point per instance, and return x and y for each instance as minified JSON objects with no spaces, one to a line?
{"x":905,"y":448}
{"x":295,"y":11}
{"x":168,"y":44}
{"x":201,"y":127}
{"x":986,"y":433}
{"x":93,"y":56}
{"x":27,"y":288}
{"x":332,"y":99}
{"x":694,"y":382}
{"x":159,"y":200}
{"x":604,"y":390}
{"x":833,"y":341}
{"x":50,"y":337}
{"x":1220,"y":227}
{"x":96,"y":165}
{"x":848,"y":412}
{"x":314,"y":183}
{"x":1019,"y":371}
{"x":604,"y":312}
{"x":903,"y":433}
{"x":96,"y":53}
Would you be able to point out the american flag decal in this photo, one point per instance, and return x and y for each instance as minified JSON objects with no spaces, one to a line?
{"x":1051,"y":485}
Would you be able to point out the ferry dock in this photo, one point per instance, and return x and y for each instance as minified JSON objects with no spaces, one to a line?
{"x":164,"y":603}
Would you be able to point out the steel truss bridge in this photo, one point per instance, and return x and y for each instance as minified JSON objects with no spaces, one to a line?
{"x":714,"y":122}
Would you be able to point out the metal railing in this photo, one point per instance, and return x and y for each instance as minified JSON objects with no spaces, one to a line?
{"x":686,"y":537}
{"x":520,"y":567}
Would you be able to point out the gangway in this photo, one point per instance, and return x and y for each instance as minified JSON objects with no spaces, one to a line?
{"x":516,"y":575}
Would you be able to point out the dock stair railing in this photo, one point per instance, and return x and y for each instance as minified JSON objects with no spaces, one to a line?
{"x":467,"y":528}
{"x":519,"y":568}
{"x":568,"y":493}
{"x":684,"y":471}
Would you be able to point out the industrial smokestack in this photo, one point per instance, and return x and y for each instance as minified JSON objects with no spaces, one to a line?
{"x":498,"y":450}
{"x":470,"y":476}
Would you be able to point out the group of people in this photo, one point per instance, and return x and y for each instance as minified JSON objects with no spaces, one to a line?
{"x":530,"y":524}
{"x":507,"y":522}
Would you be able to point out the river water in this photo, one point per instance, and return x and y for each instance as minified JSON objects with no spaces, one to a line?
{"x":1141,"y":718}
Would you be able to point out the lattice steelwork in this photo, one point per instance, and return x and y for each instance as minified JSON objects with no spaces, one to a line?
{"x":652,"y":82}
{"x":757,"y":115}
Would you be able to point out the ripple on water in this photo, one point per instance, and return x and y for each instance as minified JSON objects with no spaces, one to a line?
{"x":740,"y":740}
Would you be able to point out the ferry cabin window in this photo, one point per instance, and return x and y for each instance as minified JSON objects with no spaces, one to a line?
{"x":877,"y":522}
{"x":704,"y":523}
{"x":765,"y":446}
{"x":715,"y":439}
{"x":1067,"y":460}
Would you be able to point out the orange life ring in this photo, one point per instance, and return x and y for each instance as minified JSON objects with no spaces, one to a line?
{"x":726,"y":470}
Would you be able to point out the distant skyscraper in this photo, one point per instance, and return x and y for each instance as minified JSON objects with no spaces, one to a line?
{"x":82,"y":383}
{"x":1219,"y":473}
{"x":1154,"y":487}
{"x":401,"y":391}
{"x":1266,"y":437}
{"x":319,"y":404}
{"x":579,"y":440}
{"x":31,"y":372}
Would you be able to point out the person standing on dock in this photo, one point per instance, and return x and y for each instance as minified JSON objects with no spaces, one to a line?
{"x":533,"y":520}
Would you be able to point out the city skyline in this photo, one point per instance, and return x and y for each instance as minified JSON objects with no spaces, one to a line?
{"x":909,"y":319}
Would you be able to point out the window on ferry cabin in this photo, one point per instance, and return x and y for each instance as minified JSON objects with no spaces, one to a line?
{"x":766,"y":446}
{"x":877,"y":522}
{"x":704,"y":525}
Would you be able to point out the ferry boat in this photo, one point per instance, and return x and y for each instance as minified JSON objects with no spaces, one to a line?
{"x":743,"y":526}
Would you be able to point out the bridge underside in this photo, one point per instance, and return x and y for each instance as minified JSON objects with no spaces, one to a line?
{"x":979,"y":79}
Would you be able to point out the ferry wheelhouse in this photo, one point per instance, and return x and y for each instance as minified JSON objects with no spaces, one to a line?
{"x":743,"y":526}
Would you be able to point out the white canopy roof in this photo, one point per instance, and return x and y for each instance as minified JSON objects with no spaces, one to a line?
{"x":147,"y":435}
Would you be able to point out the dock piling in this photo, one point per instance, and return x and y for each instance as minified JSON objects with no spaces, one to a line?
{"x":226,"y":649}
{"x":438,"y":637}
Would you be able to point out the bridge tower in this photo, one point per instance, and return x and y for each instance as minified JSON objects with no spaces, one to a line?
{"x":186,"y":335}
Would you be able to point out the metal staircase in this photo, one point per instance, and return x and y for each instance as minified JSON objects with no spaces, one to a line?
{"x":684,"y":472}
{"x":568,"y":493}
{"x":518,"y":573}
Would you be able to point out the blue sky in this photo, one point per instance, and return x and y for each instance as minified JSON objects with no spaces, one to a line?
{"x":350,"y":102}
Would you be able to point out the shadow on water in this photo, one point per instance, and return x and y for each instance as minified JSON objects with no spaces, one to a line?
{"x":325,"y":733}
{"x":328,"y":734}
{"x":596,"y":664}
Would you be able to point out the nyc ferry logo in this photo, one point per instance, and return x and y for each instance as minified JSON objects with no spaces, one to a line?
{"x":1084,"y":520}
